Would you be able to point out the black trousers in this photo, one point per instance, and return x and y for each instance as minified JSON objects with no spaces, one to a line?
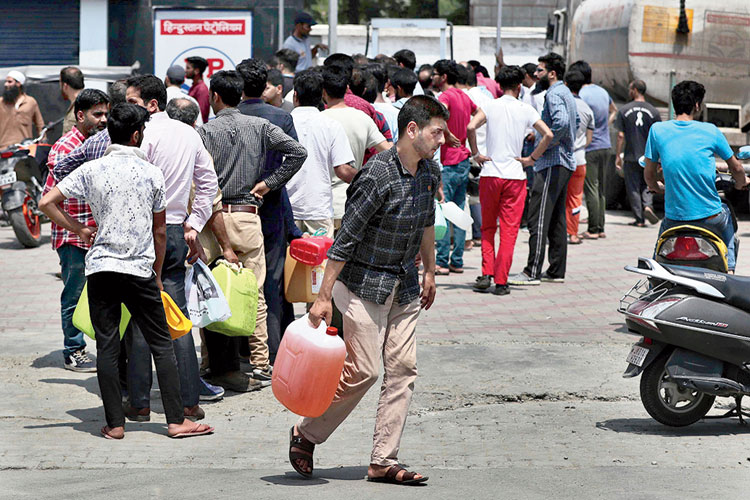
{"x":638,"y":194}
{"x":106,"y":291}
{"x":139,"y":364}
{"x":547,"y":222}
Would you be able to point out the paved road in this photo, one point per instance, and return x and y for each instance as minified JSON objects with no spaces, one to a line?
{"x":518,"y":397}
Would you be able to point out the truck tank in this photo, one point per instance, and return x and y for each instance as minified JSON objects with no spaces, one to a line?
{"x":628,"y":39}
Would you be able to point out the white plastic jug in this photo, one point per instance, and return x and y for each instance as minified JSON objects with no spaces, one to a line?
{"x":308,"y":367}
{"x":456,"y":215}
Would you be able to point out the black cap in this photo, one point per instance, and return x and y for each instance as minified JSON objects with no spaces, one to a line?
{"x":304,"y":17}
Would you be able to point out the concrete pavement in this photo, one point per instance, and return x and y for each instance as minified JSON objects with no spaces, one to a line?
{"x":518,"y":397}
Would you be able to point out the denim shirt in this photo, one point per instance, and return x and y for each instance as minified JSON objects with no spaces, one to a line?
{"x":560,"y":113}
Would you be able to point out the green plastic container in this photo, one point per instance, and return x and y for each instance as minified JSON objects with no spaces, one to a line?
{"x":82,"y":316}
{"x":441,"y":226}
{"x":241,"y":292}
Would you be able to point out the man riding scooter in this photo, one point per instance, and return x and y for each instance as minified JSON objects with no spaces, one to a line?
{"x":686,"y":150}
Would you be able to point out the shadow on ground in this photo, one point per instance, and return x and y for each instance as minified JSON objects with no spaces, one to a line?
{"x":320,"y":476}
{"x":647,"y":426}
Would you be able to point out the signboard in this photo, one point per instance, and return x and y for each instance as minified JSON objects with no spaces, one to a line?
{"x":660,"y":24}
{"x":222,"y":37}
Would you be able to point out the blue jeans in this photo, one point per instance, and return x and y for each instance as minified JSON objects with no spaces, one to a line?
{"x":139,"y":353}
{"x":721,"y":224}
{"x":72,"y":268}
{"x":455,"y":180}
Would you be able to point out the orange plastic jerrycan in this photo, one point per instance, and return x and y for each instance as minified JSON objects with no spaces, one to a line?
{"x":308,"y":367}
{"x":178,"y":324}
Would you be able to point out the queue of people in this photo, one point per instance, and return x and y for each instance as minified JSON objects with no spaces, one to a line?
{"x":152,"y":176}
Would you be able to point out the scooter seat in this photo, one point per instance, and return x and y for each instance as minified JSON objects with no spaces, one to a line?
{"x":736,"y":289}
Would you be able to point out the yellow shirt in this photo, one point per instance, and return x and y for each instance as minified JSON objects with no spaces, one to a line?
{"x":16,"y":120}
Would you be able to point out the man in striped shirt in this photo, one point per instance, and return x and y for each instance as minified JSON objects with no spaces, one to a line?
{"x":90,"y":111}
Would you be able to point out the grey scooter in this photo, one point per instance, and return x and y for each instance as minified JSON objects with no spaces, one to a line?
{"x":695,"y":341}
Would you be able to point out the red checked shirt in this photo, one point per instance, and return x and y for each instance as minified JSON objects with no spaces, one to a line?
{"x":77,"y":209}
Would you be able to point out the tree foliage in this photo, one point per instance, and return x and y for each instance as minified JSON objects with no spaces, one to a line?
{"x":361,"y":11}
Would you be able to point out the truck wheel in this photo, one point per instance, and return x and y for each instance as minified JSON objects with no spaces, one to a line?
{"x":669,"y":403}
{"x":26,"y":224}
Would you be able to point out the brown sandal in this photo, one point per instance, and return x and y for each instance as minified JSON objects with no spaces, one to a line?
{"x":408,"y":478}
{"x":304,"y":445}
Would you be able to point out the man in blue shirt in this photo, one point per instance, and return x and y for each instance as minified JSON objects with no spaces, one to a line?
{"x":686,"y":150}
{"x":299,"y":41}
{"x":598,"y":153}
{"x":552,"y":172}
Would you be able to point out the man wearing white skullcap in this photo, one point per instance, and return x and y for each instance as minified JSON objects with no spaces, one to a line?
{"x":17,"y":111}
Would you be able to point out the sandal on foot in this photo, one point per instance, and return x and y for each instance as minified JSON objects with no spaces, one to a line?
{"x":588,"y":236}
{"x":304,"y":445}
{"x":442,"y":271}
{"x":198,"y":430}
{"x":408,"y":478}
{"x":107,"y":433}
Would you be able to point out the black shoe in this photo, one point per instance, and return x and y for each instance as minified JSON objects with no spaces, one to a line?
{"x":483,"y":283}
{"x":551,"y":279}
{"x":501,"y":290}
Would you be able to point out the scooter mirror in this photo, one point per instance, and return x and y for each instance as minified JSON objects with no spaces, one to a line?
{"x":744,"y":153}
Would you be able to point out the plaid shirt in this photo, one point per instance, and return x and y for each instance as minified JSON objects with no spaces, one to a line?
{"x":92,"y":149}
{"x":239,"y":144}
{"x":560,"y":113}
{"x":77,"y":209}
{"x":387,"y":210}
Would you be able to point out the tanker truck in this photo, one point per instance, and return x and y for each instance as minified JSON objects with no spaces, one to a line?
{"x":628,"y":39}
{"x":663,"y":42}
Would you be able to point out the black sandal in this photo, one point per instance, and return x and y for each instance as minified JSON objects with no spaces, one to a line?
{"x":304,"y":445}
{"x":408,"y":479}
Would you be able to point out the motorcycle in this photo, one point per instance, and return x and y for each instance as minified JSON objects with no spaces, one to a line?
{"x":23,"y":172}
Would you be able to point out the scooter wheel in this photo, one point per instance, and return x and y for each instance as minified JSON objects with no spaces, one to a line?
{"x":667,"y":402}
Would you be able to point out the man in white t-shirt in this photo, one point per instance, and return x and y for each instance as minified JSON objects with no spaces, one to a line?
{"x":502,"y":184}
{"x":329,"y":156}
{"x":360,"y":130}
{"x":575,"y":81}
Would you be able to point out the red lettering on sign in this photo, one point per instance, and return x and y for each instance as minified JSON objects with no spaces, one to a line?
{"x":203,"y":27}
{"x":214,"y":65}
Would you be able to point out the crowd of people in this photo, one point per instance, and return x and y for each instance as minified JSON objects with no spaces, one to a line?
{"x":155,"y":174}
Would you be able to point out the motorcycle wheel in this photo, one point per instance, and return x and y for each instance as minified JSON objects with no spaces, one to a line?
{"x":26,"y":224}
{"x":669,"y":403}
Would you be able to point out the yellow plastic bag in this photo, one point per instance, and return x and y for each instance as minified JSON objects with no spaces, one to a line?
{"x":82,"y":316}
{"x":178,"y":324}
{"x":240,"y":289}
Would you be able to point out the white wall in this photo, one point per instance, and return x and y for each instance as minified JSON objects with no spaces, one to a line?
{"x":520,"y":45}
{"x":93,"y":38}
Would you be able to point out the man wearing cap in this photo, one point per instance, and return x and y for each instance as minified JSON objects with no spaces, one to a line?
{"x":17,"y":111}
{"x":174,"y":80}
{"x":298,"y":41}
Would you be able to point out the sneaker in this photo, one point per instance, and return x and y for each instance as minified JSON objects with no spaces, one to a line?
{"x":239,"y":382}
{"x":523,"y":279}
{"x":551,"y":279}
{"x":210,"y":392}
{"x":262,"y":374}
{"x":79,"y":361}
{"x":483,"y":283}
{"x":501,"y":290}
{"x":649,"y":213}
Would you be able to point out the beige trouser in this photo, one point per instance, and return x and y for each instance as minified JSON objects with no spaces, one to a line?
{"x":373,"y":332}
{"x":246,"y":237}
{"x":310,"y":226}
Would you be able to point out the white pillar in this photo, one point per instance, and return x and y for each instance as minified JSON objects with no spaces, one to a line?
{"x":93,"y":33}
{"x":498,"y":44}
{"x":281,"y":23}
{"x":333,"y":24}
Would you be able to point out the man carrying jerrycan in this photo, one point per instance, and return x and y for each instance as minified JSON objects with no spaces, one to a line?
{"x":371,"y":272}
